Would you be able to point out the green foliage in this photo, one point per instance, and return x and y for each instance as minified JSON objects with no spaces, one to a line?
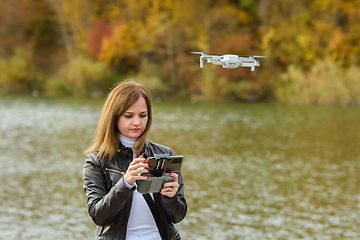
{"x":325,"y":83}
{"x":352,"y":83}
{"x":82,"y":77}
{"x":19,"y":75}
{"x":211,"y":84}
{"x":220,"y":88}
{"x":150,"y":76}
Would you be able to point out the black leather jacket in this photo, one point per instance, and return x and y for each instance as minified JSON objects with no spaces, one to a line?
{"x":109,"y":200}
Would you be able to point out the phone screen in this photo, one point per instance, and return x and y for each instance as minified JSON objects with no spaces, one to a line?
{"x":165,"y":165}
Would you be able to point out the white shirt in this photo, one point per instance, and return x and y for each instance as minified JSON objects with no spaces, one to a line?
{"x":141,"y":223}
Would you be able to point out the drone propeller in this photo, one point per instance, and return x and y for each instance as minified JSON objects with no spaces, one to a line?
{"x":203,"y":53}
{"x":196,"y":52}
{"x":254,"y":56}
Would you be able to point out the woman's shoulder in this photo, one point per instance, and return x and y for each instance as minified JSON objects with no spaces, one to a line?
{"x":94,"y":158}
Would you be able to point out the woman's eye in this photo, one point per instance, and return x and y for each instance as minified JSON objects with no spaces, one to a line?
{"x":143,"y":116}
{"x":128,"y":116}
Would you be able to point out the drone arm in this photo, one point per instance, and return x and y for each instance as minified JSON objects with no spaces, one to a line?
{"x":214,"y":60}
{"x":209,"y":59}
{"x":251,"y":65}
{"x":217,"y":62}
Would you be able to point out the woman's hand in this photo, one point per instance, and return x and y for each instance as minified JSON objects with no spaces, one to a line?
{"x":138,"y":165}
{"x":170,"y":189}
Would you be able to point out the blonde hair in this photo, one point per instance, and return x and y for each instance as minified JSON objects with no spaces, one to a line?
{"x":121,"y":97}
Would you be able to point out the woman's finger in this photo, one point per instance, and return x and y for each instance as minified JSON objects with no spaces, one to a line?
{"x":136,"y":167}
{"x":169,"y":189}
{"x":175,"y":176}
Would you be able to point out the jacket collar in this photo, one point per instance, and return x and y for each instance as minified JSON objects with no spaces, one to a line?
{"x":124,"y":155}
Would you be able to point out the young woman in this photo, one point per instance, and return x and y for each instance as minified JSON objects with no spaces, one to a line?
{"x":114,"y":204}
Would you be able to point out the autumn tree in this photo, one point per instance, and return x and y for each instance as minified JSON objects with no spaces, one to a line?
{"x":151,"y":40}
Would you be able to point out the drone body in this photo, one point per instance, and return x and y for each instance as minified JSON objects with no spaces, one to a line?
{"x":230,"y":61}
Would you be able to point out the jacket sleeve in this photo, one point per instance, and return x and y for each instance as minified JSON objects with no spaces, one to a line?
{"x":103,"y":204}
{"x":175,"y":208}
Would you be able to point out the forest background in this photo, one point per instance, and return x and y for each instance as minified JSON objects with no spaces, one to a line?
{"x":83,"y":47}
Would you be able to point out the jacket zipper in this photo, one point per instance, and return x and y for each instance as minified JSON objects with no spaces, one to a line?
{"x":113,"y":170}
{"x":176,"y":236}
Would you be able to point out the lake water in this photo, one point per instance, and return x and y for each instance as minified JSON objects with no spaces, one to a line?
{"x":251,"y":171}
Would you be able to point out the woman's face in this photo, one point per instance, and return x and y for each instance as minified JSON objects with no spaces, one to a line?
{"x":132,"y":122}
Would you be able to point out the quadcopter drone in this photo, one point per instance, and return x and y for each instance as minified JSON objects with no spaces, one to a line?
{"x":230,"y":61}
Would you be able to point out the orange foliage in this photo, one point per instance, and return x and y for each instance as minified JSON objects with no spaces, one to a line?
{"x":100,"y":31}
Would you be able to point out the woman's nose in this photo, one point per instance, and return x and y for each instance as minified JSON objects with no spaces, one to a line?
{"x":136,"y":121}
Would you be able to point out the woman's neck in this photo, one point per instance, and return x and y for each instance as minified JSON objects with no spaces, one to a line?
{"x":127,"y":142}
